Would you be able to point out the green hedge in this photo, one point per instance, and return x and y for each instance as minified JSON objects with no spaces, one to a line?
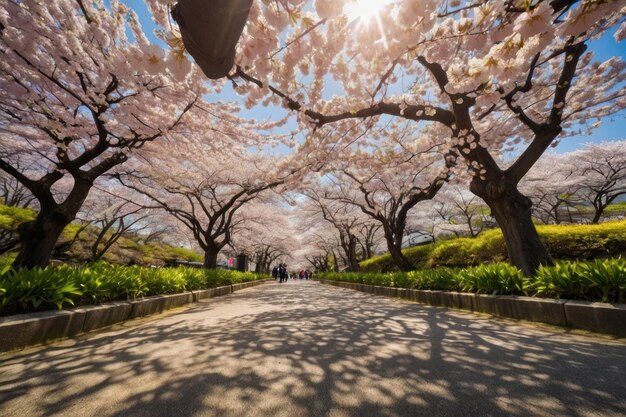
{"x":564,"y":242}
{"x":43,"y":289}
{"x":11,"y":217}
{"x":600,"y":280}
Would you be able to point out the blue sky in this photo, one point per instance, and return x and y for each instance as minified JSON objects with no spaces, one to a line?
{"x":613,"y":128}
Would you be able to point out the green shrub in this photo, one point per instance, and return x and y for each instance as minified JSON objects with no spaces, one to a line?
{"x":585,"y":242}
{"x":379,"y":263}
{"x":434,"y":279}
{"x":11,"y":217}
{"x":606,"y":278}
{"x":564,"y":242}
{"x":560,"y":281}
{"x":184,"y":254}
{"x":601,"y":280}
{"x":616,"y":208}
{"x":498,"y":278}
{"x":39,"y":289}
{"x":7,"y":260}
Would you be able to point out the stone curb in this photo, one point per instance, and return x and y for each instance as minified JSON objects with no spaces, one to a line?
{"x":22,"y":330}
{"x":595,"y":317}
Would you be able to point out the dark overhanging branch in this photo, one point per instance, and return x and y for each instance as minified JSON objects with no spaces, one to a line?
{"x":410,"y":112}
{"x":84,"y":10}
{"x":510,"y":97}
{"x":550,"y":130}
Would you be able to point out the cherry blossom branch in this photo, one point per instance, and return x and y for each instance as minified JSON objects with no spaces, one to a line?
{"x":460,"y":9}
{"x":297,"y":38}
{"x":84,"y":10}
{"x":550,"y":130}
{"x":510,"y":97}
{"x":410,"y":112}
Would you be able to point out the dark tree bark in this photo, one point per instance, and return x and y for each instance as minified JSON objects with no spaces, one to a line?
{"x":260,"y":258}
{"x":210,"y":257}
{"x":8,"y":241}
{"x":349,"y":248}
{"x":39,"y":237}
{"x":394,"y":245}
{"x":600,"y":203}
{"x":512,"y":211}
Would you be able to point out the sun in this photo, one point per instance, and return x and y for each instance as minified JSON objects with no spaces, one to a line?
{"x":364,"y":10}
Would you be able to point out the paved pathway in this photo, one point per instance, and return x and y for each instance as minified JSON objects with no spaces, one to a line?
{"x":303,"y":349}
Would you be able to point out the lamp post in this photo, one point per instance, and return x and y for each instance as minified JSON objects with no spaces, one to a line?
{"x":211,"y":30}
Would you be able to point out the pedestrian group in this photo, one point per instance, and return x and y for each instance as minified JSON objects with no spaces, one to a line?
{"x":280,"y":272}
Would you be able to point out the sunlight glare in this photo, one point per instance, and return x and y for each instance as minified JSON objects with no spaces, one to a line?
{"x":364,"y":10}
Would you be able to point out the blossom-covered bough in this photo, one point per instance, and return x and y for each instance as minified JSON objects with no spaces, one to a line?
{"x":602,"y":169}
{"x":354,"y":230}
{"x":80,"y":88}
{"x":203,"y":189}
{"x":266,"y":234}
{"x":386,"y":185}
{"x":493,"y":75}
{"x":552,"y":185}
{"x":462,"y":213}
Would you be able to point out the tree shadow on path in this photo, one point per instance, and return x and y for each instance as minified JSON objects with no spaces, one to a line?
{"x":303,"y":349}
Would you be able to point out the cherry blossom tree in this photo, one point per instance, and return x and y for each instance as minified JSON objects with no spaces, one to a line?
{"x":424,"y":224}
{"x":202,"y":188}
{"x":118,"y":219}
{"x":265,"y":234}
{"x":602,"y":168}
{"x":13,"y":193}
{"x":594,"y":175}
{"x":320,"y":247}
{"x":464,"y":214}
{"x":355,"y":231}
{"x":157,"y":227}
{"x":386,"y":184}
{"x":80,"y":87}
{"x":494,"y":75}
{"x":553,"y":185}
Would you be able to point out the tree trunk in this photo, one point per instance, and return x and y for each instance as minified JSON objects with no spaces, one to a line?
{"x":349,"y":248}
{"x":210,"y":258}
{"x":39,"y":237}
{"x":512,"y":211}
{"x":557,"y":218}
{"x":401,"y":261}
{"x":597,"y":215}
{"x":394,"y":245}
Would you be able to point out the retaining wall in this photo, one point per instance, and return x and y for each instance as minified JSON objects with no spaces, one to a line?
{"x":22,"y":330}
{"x":595,"y":317}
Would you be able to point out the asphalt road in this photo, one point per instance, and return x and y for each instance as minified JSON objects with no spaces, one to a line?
{"x":303,"y":349}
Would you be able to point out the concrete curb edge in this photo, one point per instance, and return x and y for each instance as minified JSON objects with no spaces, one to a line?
{"x":23,"y":330}
{"x":595,"y":317}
